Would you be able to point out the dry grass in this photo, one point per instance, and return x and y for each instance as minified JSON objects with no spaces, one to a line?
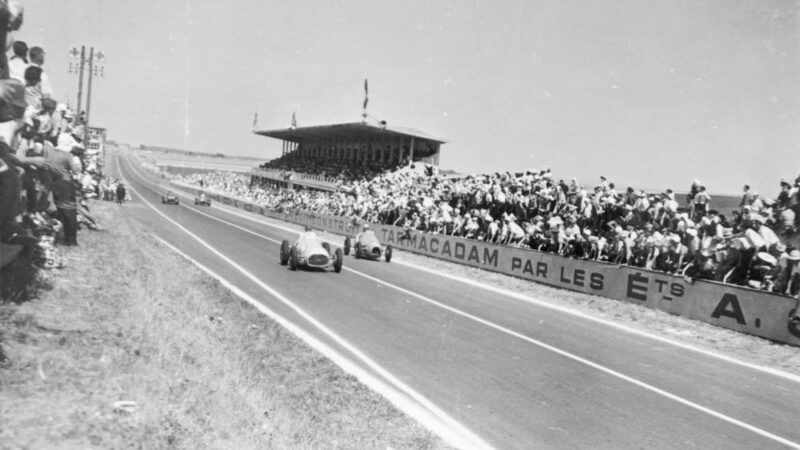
{"x":129,"y":321}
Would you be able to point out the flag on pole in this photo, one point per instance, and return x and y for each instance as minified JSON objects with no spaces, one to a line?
{"x":366,"y":94}
{"x":294,"y":120}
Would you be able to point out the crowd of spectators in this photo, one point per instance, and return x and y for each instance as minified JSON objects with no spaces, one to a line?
{"x":45,"y":170}
{"x":685,"y":236}
{"x":341,"y":171}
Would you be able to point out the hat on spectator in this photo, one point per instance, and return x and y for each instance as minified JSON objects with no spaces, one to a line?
{"x":785,"y":183}
{"x":780,"y":247}
{"x":794,"y":255}
{"x":758,"y":218}
{"x":767,"y":258}
{"x":692,"y":232}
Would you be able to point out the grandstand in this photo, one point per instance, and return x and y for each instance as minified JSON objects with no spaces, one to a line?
{"x":322,"y":157}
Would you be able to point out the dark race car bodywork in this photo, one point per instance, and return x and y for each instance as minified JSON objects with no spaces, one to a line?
{"x":170,"y":199}
{"x":310,"y":252}
{"x":366,"y":245}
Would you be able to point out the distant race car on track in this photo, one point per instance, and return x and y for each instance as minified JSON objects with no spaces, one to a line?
{"x":366,"y":245}
{"x":202,"y":200}
{"x":170,"y":199}
{"x":310,"y":252}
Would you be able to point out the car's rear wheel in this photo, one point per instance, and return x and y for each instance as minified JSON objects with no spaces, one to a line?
{"x":347,"y":245}
{"x":327,"y":247}
{"x":284,"y":252}
{"x":337,"y":262}
{"x":388,"y":253}
{"x":293,"y":259}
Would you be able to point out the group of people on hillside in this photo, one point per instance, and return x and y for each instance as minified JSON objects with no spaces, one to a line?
{"x":45,"y":170}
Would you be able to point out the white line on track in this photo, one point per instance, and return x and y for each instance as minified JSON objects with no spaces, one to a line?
{"x":538,"y":343}
{"x":416,"y":405}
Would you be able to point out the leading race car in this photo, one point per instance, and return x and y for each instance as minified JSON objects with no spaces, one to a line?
{"x":309,"y":251}
{"x":170,"y":199}
{"x":202,"y":200}
{"x":366,"y":245}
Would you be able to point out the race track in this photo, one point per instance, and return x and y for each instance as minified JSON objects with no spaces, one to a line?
{"x":512,"y":373}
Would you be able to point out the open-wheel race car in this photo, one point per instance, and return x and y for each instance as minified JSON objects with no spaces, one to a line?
{"x":202,"y":200}
{"x":170,"y":199}
{"x":309,"y":251}
{"x":366,"y":245}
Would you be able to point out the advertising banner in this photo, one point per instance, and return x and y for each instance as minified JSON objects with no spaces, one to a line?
{"x":747,"y":310}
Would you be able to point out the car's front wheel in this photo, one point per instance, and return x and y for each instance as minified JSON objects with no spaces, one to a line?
{"x":293,"y":259}
{"x":284,"y":252}
{"x":337,"y":263}
{"x":347,"y":245}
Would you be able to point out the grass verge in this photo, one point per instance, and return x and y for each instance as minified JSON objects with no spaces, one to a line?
{"x":133,"y":346}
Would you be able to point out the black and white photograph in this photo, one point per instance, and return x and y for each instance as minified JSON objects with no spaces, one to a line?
{"x":398,"y":224}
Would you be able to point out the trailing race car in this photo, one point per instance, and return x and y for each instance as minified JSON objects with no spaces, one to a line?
{"x":202,"y":200}
{"x":310,"y":252}
{"x":170,"y":199}
{"x":366,"y":245}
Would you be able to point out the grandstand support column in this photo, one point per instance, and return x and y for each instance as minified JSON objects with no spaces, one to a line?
{"x":411,"y":150}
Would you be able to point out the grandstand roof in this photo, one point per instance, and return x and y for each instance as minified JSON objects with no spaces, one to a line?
{"x":342,"y":131}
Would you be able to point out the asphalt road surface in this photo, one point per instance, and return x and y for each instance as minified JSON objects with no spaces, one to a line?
{"x":512,"y":373}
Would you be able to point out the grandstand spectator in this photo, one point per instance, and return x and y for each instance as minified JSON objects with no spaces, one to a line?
{"x":19,"y":62}
{"x":788,"y":279}
{"x":36,"y":55}
{"x":701,"y":202}
{"x":33,"y":87}
{"x":747,"y":197}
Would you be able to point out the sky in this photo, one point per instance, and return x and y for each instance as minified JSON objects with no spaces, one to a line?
{"x":649,"y":93}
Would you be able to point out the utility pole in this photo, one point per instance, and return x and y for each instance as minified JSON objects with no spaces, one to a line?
{"x":77,"y":67}
{"x":95,"y":62}
{"x":88,"y":98}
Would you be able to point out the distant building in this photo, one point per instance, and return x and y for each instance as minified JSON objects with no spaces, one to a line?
{"x":97,"y":140}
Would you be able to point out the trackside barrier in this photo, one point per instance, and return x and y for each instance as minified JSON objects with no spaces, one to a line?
{"x":746,"y":310}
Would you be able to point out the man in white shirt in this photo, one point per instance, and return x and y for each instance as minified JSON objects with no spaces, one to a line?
{"x":19,"y":62}
{"x":37,"y":59}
